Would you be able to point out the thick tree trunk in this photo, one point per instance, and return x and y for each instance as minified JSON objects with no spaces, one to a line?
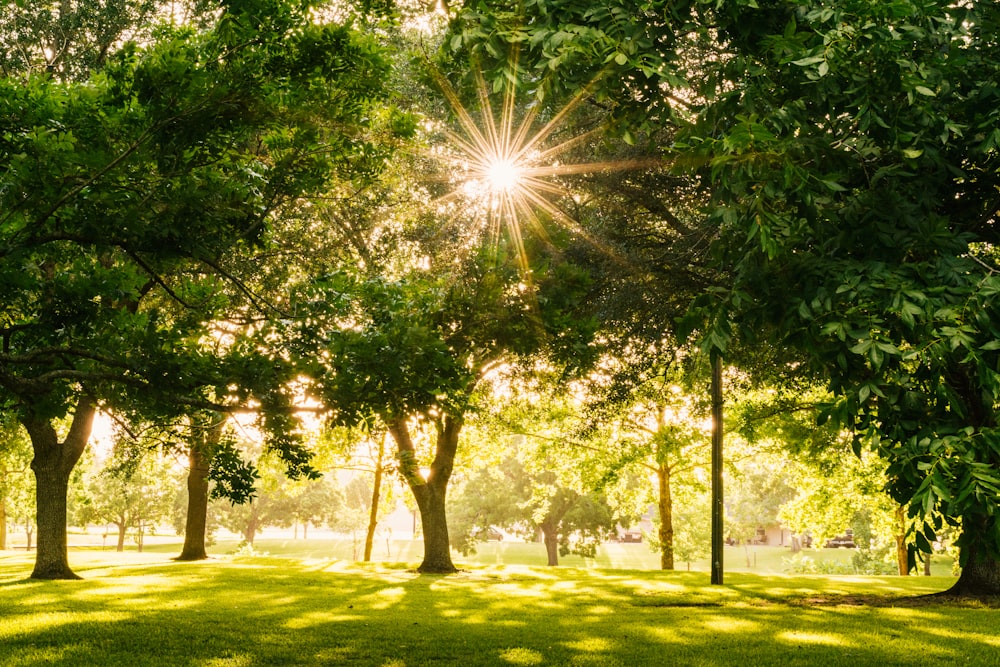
{"x":550,"y":536}
{"x":52,"y":464}
{"x":980,"y":576}
{"x":250,"y":532}
{"x":430,"y":493}
{"x":376,"y":497}
{"x":196,"y":521}
{"x":666,"y":507}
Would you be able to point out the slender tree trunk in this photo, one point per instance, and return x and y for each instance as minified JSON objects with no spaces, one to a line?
{"x":376,"y":497}
{"x":550,"y":536}
{"x":3,"y":524}
{"x":305,"y":530}
{"x":430,"y":493}
{"x":981,"y":573}
{"x":121,"y":535}
{"x":666,"y":507}
{"x":718,"y":505}
{"x":927,"y":565}
{"x":902,"y":559}
{"x":52,"y":464}
{"x":28,"y":534}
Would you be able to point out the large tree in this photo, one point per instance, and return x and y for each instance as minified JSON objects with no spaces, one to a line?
{"x":414,"y":352}
{"x":123,"y":200}
{"x":852,"y":152}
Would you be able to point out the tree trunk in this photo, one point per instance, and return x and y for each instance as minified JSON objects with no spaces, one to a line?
{"x":981,"y":573}
{"x":52,"y":464}
{"x":28,"y":534}
{"x":430,"y":493}
{"x":196,"y":522}
{"x":250,"y":532}
{"x":121,"y":536}
{"x":666,"y":507}
{"x":376,"y":497}
{"x":550,"y":536}
{"x":902,"y":559}
{"x":3,"y":524}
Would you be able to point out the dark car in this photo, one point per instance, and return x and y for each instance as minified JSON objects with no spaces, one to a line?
{"x":846,"y":540}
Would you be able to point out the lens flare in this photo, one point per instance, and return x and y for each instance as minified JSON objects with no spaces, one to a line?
{"x":503,"y":175}
{"x":509,"y":168}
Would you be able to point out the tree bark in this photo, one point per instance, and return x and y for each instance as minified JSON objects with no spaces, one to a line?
{"x":666,"y":507}
{"x":902,"y":558}
{"x":121,"y":536}
{"x":980,"y":575}
{"x":196,"y":521}
{"x":3,"y":524}
{"x":550,"y":536}
{"x":430,"y":493}
{"x":376,"y":497}
{"x":52,"y":464}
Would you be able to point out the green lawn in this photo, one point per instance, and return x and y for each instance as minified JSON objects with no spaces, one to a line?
{"x":755,"y":559}
{"x":143,"y":609}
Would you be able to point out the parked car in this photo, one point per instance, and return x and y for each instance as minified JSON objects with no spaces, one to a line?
{"x":846,"y":540}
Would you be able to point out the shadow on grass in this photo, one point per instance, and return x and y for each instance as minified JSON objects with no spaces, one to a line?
{"x":263,"y":611}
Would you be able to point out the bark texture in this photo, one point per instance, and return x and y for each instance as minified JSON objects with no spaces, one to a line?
{"x":376,"y":498}
{"x":196,"y":520}
{"x":430,"y":493}
{"x":3,"y":524}
{"x":666,"y":507}
{"x":53,"y":464}
{"x":550,"y":536}
{"x":980,"y":576}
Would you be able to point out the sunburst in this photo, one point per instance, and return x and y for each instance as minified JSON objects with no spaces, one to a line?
{"x":508,"y":165}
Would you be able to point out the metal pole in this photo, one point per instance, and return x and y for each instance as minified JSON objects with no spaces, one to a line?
{"x":718,"y":508}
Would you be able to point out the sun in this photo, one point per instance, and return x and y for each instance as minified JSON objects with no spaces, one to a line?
{"x":503,"y":175}
{"x":505,"y":162}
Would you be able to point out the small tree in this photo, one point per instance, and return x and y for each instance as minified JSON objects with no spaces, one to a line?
{"x":130,"y":494}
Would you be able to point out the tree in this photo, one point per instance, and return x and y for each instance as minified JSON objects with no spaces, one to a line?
{"x":124,"y":198}
{"x":417,"y":351}
{"x":520,"y":500}
{"x":857,"y":204}
{"x":130,"y":492}
{"x":852,"y":156}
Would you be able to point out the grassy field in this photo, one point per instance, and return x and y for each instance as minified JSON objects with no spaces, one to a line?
{"x":753,"y":559}
{"x":143,"y":609}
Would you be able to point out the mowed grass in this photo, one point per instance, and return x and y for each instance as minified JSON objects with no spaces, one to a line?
{"x":143,"y":609}
{"x":753,"y":559}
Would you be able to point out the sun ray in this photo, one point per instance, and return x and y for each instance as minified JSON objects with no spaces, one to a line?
{"x":503,"y":165}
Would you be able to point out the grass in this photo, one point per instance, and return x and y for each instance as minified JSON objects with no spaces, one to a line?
{"x":143,"y":609}
{"x":755,"y":559}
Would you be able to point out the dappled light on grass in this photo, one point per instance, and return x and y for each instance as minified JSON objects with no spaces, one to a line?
{"x":290,"y":612}
{"x":521,"y":656}
{"x":799,"y":638}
